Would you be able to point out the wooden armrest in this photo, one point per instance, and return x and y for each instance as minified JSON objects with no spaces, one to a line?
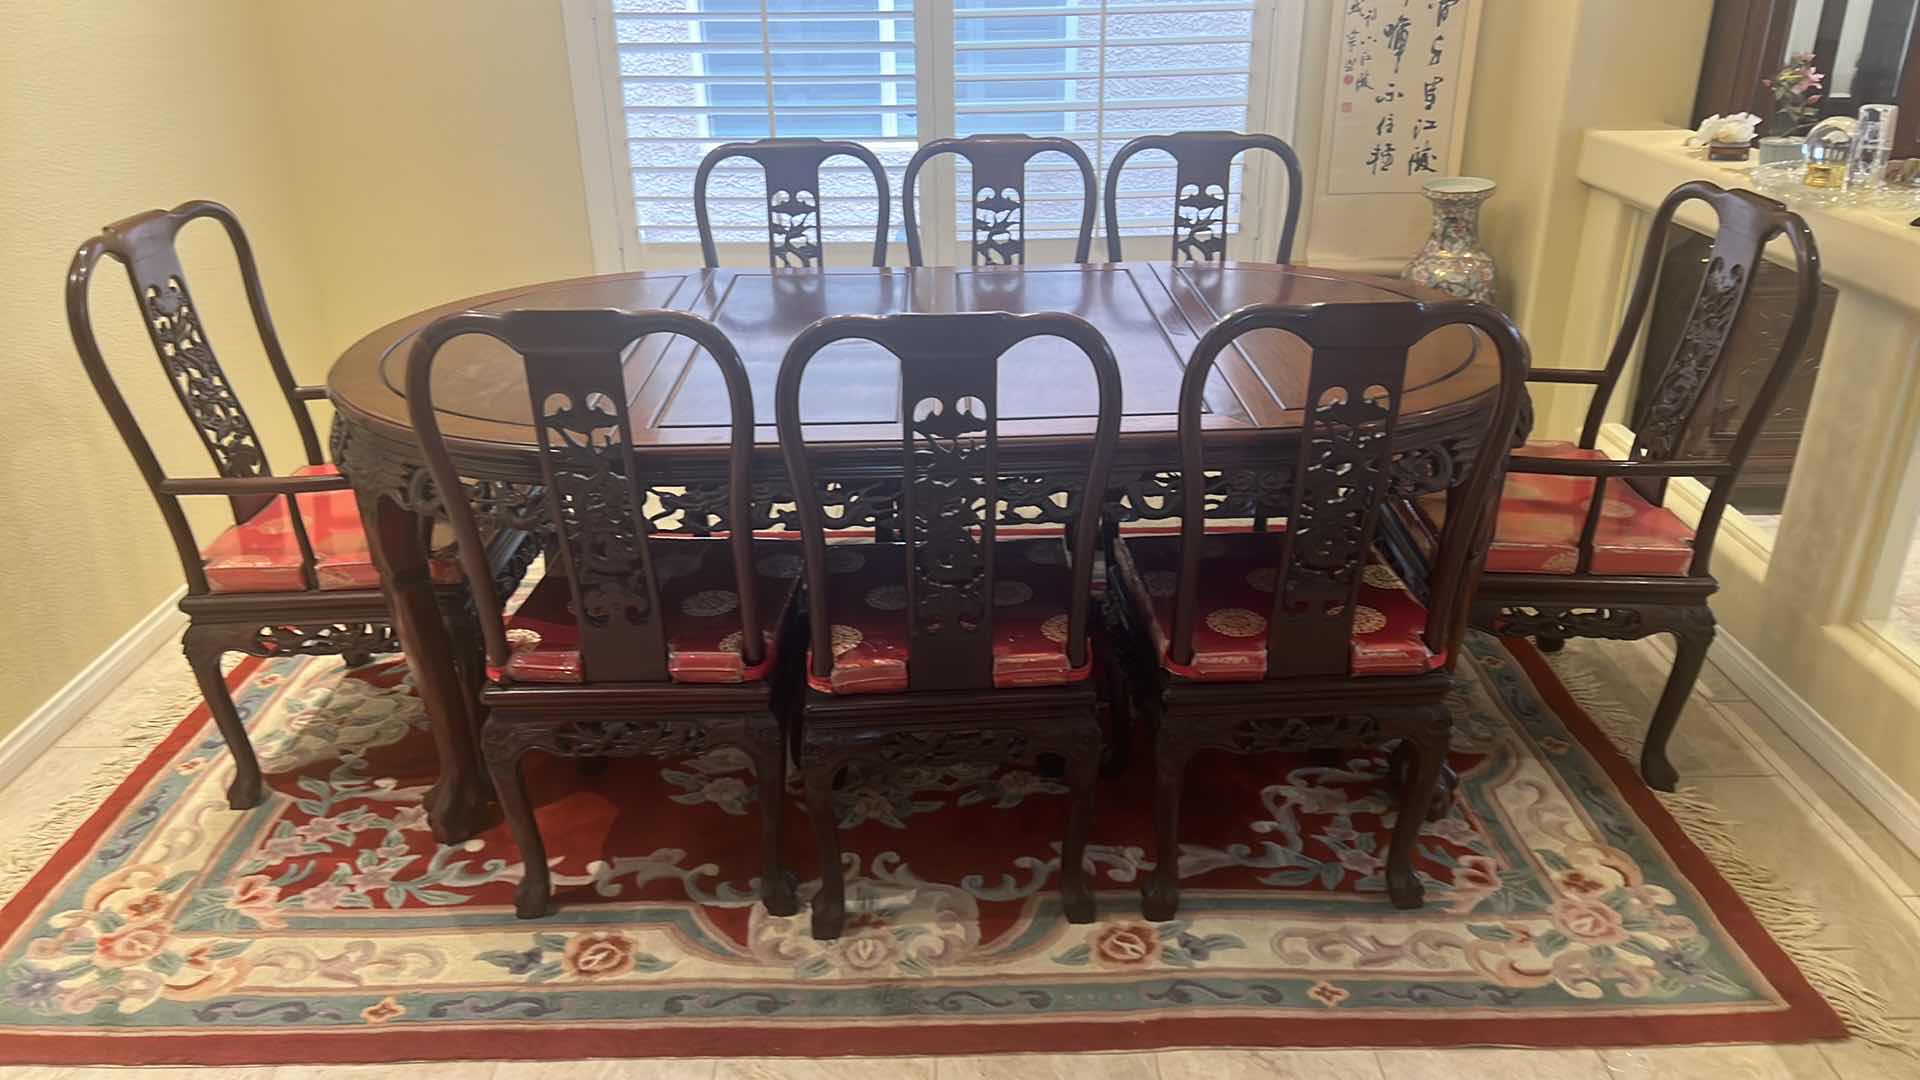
{"x":1621,"y":470}
{"x":255,"y":485}
{"x":1586,"y":376}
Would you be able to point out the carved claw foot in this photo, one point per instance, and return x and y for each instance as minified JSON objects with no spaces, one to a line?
{"x":356,"y":659}
{"x":1160,"y":899}
{"x":1076,"y":898}
{"x":828,"y":920}
{"x":458,"y":812}
{"x":781,"y":896}
{"x":1549,"y":644}
{"x":534,"y":898}
{"x":247,"y":791}
{"x":1404,"y":888}
{"x":1657,"y":771}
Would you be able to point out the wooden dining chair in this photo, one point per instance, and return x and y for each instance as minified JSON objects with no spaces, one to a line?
{"x":1584,"y":546}
{"x":293,"y":575}
{"x":794,"y":198}
{"x":1304,"y":637}
{"x":634,"y":642}
{"x":999,"y":194}
{"x":1203,"y":176}
{"x":953,"y":644}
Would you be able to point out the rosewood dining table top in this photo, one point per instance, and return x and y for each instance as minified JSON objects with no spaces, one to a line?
{"x":1151,"y":313}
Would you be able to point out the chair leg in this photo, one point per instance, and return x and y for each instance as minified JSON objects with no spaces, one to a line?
{"x":247,"y":789}
{"x":356,"y":659}
{"x":1690,"y":645}
{"x":535,"y":895}
{"x":1160,"y":898}
{"x":1083,"y":767}
{"x":1429,"y":754}
{"x":1116,"y":704}
{"x":1549,"y":644}
{"x":768,"y":748}
{"x":830,"y":903}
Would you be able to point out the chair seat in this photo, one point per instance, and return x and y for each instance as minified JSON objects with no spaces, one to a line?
{"x":262,"y":554}
{"x":1236,"y":582}
{"x":698,"y":598}
{"x":1541,"y":518}
{"x":868,"y":611}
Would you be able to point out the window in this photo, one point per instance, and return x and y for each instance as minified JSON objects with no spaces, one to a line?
{"x":682,"y":76}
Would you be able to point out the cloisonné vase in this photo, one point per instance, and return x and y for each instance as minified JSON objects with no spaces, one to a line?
{"x":1453,"y":260}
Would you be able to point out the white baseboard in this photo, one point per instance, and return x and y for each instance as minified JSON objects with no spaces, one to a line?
{"x":1887,"y":801}
{"x":53,"y":719}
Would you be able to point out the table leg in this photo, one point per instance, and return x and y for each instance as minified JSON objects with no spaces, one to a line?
{"x":457,"y":805}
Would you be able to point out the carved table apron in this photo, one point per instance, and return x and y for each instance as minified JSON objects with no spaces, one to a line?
{"x":1150,"y":313}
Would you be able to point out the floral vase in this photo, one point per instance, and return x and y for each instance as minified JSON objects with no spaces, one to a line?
{"x":1453,"y":260}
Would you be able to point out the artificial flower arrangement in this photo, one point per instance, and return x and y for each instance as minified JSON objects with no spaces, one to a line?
{"x":1796,"y":95}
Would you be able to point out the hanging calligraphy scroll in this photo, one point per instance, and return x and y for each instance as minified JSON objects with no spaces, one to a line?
{"x":1400,"y":88}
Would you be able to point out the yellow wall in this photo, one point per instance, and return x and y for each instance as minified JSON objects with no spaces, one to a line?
{"x":1545,"y":72}
{"x":112,"y":107}
{"x":435,"y":152}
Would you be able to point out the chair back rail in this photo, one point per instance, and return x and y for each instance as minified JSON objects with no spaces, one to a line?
{"x":792,"y":167}
{"x":146,"y":245}
{"x":1747,"y":224}
{"x":595,"y":489}
{"x":1202,"y":181}
{"x":999,"y":194}
{"x":949,"y":374}
{"x":1343,"y":474}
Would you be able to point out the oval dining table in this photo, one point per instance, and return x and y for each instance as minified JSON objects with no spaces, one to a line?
{"x":1151,"y":314}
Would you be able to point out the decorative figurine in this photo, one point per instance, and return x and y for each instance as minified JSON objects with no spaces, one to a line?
{"x":1727,"y":138}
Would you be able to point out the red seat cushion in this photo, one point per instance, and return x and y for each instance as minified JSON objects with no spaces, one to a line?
{"x":1541,"y":518}
{"x":699,"y":599}
{"x":262,"y":554}
{"x":1236,"y":581}
{"x":867,"y":607}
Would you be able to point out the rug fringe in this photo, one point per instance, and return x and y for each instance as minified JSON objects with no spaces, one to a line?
{"x":1792,"y":921}
{"x":155,"y":710}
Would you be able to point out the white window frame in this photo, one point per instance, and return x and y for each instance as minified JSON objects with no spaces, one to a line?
{"x":613,"y":227}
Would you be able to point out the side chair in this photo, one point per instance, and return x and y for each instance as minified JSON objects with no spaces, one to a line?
{"x":949,"y":644}
{"x":1202,"y":185}
{"x":1302,"y":637}
{"x":634,"y":642}
{"x":998,"y":201}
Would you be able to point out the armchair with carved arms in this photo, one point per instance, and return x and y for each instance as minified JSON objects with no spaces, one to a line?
{"x":1583,"y":546}
{"x":293,"y":575}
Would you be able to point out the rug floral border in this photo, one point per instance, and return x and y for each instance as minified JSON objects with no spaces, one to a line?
{"x":1806,"y":1015}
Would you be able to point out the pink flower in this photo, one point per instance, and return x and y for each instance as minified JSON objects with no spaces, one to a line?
{"x":135,"y":944}
{"x":1588,"y":922}
{"x":258,"y":899}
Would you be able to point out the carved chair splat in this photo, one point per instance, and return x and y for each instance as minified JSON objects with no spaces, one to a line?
{"x":1202,"y":186}
{"x":794,"y":198}
{"x":998,"y":210}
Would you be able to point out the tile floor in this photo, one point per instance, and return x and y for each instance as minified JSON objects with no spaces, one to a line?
{"x":1794,"y":817}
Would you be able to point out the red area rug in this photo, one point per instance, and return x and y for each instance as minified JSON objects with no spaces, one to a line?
{"x":1565,"y":907}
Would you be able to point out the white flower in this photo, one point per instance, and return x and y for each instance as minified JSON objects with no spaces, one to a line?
{"x":1738,"y":128}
